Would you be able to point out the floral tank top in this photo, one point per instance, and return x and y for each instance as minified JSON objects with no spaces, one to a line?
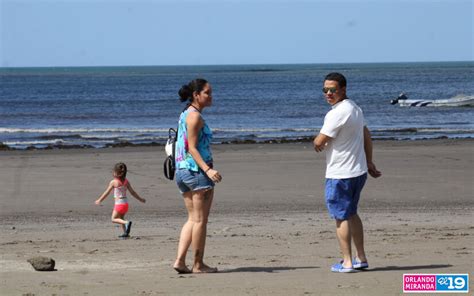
{"x":183,"y":158}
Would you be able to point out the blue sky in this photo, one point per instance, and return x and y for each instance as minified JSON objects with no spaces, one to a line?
{"x":111,"y":33}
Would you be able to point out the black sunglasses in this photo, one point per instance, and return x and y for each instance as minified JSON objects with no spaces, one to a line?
{"x":333,"y":90}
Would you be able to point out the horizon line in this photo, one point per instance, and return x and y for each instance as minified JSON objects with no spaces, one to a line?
{"x":249,"y":64}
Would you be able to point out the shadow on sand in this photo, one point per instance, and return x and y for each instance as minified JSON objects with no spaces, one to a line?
{"x":265,"y":269}
{"x":414,"y":267}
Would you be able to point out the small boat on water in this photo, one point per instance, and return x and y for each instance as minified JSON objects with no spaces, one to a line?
{"x":457,"y":101}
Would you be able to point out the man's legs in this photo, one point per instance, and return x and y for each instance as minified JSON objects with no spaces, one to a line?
{"x":343,"y":232}
{"x":357,"y":230}
{"x":357,"y":233}
{"x":342,"y":197}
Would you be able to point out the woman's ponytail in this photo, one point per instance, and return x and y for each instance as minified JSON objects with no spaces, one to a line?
{"x":186,"y":92}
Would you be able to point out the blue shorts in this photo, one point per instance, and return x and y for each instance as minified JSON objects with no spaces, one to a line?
{"x":192,"y":181}
{"x":342,"y":196}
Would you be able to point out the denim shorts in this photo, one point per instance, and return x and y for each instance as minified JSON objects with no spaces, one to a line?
{"x":192,"y":181}
{"x":342,"y":196}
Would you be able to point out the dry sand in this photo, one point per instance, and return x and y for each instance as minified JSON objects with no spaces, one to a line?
{"x":269,"y":233}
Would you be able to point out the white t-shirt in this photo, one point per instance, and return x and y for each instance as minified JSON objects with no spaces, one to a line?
{"x":345,"y":154}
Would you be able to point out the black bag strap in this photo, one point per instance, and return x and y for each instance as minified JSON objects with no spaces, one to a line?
{"x":173,"y":132}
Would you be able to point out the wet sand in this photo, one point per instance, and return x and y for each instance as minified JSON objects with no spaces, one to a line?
{"x":269,"y":233}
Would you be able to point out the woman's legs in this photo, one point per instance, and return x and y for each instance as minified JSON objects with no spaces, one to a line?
{"x":185,"y":237}
{"x":202,"y":201}
{"x":198,"y":205}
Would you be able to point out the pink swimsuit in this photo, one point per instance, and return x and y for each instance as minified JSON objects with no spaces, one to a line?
{"x":120,"y":196}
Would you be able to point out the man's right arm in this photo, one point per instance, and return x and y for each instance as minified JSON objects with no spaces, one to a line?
{"x":320,"y":142}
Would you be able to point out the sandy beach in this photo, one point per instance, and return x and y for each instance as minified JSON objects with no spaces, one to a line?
{"x":269,"y":232}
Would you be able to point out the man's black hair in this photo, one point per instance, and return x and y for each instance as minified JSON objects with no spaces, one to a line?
{"x":335,"y":76}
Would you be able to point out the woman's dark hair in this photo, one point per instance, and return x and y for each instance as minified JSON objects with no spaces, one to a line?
{"x":187,"y":90}
{"x":120,"y":170}
{"x":334,"y":76}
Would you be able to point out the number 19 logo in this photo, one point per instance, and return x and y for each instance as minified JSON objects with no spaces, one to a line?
{"x":452,"y":282}
{"x":436,"y":283}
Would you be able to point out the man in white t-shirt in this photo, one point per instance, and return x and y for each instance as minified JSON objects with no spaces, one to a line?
{"x":348,"y":146}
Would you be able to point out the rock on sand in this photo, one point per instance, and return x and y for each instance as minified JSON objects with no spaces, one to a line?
{"x":42,"y":263}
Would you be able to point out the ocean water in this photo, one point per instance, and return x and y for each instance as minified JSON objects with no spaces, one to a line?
{"x":103,"y":106}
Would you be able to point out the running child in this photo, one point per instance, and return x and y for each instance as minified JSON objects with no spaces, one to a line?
{"x":120,"y":185}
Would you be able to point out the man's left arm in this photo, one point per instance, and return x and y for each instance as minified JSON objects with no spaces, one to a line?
{"x":368,"y":154}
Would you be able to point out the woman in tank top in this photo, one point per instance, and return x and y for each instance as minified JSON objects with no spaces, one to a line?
{"x":195,"y":174}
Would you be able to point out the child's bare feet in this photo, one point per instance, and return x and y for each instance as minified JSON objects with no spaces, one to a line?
{"x":203,"y":268}
{"x":181,"y":267}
